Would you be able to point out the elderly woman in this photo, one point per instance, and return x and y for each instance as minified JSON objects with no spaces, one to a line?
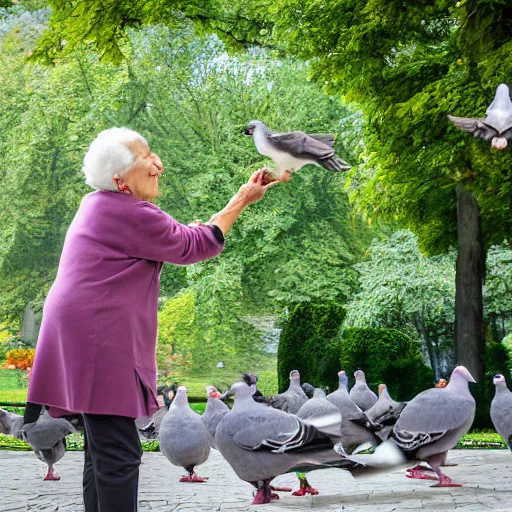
{"x":96,"y":349}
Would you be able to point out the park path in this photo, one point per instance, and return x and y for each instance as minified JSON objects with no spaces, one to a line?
{"x":486,"y":474}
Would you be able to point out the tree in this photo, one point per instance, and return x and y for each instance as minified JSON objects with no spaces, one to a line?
{"x":406,"y":65}
{"x":402,"y":289}
{"x":191,"y":100}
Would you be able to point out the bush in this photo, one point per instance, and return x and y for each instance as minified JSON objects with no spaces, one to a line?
{"x":308,"y":343}
{"x":21,"y":358}
{"x":386,"y":356}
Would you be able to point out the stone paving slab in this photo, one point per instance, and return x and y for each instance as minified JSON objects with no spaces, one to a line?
{"x":486,"y":475}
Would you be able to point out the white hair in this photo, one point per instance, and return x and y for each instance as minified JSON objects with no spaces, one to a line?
{"x":107,"y":155}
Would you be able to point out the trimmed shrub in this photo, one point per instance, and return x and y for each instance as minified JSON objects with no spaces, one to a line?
{"x":308,"y":344}
{"x":386,"y":356}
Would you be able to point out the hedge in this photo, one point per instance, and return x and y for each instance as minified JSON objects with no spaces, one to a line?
{"x":308,"y":344}
{"x":386,"y":356}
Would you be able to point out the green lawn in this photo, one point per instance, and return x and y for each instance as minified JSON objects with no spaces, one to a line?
{"x":476,"y":440}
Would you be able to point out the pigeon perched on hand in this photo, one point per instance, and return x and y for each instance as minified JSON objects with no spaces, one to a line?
{"x":292,"y":150}
{"x":496,"y":126}
{"x":501,"y":410}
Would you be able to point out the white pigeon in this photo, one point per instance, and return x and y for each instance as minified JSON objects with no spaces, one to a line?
{"x":292,"y":150}
{"x":496,"y":126}
{"x":183,"y":437}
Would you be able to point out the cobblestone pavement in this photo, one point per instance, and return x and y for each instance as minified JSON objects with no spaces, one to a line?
{"x":486,"y":475}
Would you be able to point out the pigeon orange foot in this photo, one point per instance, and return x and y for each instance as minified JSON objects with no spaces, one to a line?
{"x":264,"y":493}
{"x":419,"y":475}
{"x":280,"y":489}
{"x":446,"y":481}
{"x":419,"y":467}
{"x":51,"y":475}
{"x":193,"y":478}
{"x":305,"y":487}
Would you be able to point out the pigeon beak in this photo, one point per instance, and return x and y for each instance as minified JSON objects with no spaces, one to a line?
{"x":248,"y":131}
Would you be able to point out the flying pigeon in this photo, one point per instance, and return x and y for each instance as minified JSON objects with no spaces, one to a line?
{"x":496,"y":126}
{"x":292,"y":150}
{"x":361,"y":394}
{"x":501,"y":410}
{"x":292,"y":399}
{"x":355,"y":430}
{"x":183,"y":437}
{"x":433,"y":422}
{"x":213,"y":414}
{"x":384,"y":413}
{"x":46,"y":436}
{"x":260,"y":443}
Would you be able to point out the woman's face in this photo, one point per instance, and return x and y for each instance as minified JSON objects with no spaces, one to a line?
{"x":141,"y":181}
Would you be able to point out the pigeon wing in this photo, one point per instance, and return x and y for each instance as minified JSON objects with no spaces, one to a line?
{"x":300,"y":145}
{"x":475,"y":126}
{"x":44,"y":435}
{"x":431,"y":415}
{"x":326,"y":138}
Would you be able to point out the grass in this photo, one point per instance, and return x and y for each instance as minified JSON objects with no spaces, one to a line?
{"x":74,"y":442}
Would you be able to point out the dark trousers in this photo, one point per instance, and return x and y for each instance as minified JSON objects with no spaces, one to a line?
{"x":111,"y":466}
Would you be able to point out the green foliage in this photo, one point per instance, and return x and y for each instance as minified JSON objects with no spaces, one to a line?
{"x":386,"y":356}
{"x":307,"y":343}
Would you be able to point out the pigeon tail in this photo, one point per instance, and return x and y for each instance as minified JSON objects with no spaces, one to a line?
{"x":334,"y":164}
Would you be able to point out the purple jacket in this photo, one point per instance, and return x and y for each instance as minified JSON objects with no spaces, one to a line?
{"x":96,"y":351}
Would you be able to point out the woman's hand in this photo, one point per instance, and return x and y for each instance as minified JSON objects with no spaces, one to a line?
{"x":252,"y":191}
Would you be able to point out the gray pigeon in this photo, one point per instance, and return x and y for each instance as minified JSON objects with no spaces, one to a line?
{"x":433,"y":422}
{"x":501,"y":410}
{"x":46,"y":436}
{"x":183,"y":437}
{"x":354,"y":427}
{"x":316,"y":407}
{"x":361,"y":394}
{"x":496,"y":126}
{"x":260,"y":443}
{"x":292,"y":150}
{"x":292,"y":399}
{"x":150,"y":427}
{"x":213,"y":414}
{"x":385,"y":413}
{"x":308,"y":389}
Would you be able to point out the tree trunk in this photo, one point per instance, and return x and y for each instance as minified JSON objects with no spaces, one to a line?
{"x":469,"y":324}
{"x":427,"y":340}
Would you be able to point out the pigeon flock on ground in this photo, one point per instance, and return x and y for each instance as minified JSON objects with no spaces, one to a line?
{"x":264,"y":437}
